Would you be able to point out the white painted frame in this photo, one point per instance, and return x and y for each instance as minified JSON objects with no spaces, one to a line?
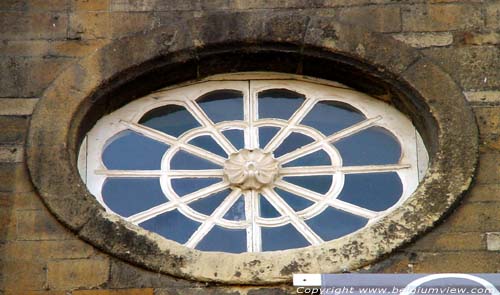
{"x":411,"y":167}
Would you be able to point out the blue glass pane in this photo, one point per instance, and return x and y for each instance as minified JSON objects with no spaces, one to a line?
{"x":320,"y":184}
{"x":314,"y":159}
{"x":374,"y":191}
{"x":183,"y":160}
{"x":281,"y":238}
{"x":184,"y":186}
{"x":266,"y":134}
{"x":208,"y":205}
{"x":291,"y":143}
{"x":172,"y":225}
{"x":206,"y":142}
{"x":222,"y":105}
{"x":224,"y":240}
{"x":333,"y":223}
{"x":297,"y":203}
{"x":131,"y":151}
{"x":279,"y":103}
{"x":236,"y":137}
{"x":237,"y":211}
{"x":128,"y":196}
{"x":266,"y":209}
{"x":171,"y":119}
{"x":373,"y":146}
{"x":329,"y":117}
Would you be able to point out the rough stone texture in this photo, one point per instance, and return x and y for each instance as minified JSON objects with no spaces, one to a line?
{"x":40,"y":38}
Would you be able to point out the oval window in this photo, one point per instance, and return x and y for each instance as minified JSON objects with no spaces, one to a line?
{"x":248,"y":163}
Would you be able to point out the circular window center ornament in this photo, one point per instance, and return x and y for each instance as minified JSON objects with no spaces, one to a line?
{"x":251,"y":169}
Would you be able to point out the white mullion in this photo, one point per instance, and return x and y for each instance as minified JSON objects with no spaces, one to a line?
{"x":252,"y":208}
{"x":251,"y":115}
{"x":285,"y":210}
{"x":298,"y":116}
{"x":130,"y":173}
{"x":173,"y":142}
{"x":314,"y":146}
{"x":173,"y":204}
{"x":329,"y":170}
{"x":204,"y":120}
{"x":209,"y":223}
{"x":335,"y":203}
{"x":209,"y":173}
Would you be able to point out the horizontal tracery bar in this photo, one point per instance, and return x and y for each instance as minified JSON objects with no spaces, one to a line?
{"x":328,"y":170}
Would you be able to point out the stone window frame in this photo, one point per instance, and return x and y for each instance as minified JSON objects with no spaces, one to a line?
{"x":284,"y":42}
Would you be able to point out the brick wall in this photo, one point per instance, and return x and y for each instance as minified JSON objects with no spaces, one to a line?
{"x":39,"y":38}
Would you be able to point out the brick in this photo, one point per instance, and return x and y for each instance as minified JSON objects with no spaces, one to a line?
{"x":473,"y":217}
{"x":34,"y":225}
{"x":473,"y":67}
{"x":488,"y":119}
{"x":146,"y":291}
{"x":441,"y":17}
{"x":17,"y":106}
{"x":24,"y":48}
{"x":483,"y":96}
{"x":491,"y":38}
{"x":76,"y":48}
{"x":423,"y":40}
{"x":14,"y":178}
{"x":484,"y":193}
{"x":44,"y":250}
{"x":28,"y":77}
{"x":91,"y":5}
{"x":379,"y":19}
{"x":489,"y":169}
{"x":36,"y":25}
{"x":493,"y":15}
{"x":89,"y":25}
{"x":31,"y":275}
{"x":439,"y":242}
{"x":77,"y":273}
{"x":14,"y":129}
{"x":11,"y":154}
{"x":493,"y":241}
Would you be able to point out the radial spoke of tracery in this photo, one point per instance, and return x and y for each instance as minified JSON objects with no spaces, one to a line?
{"x":202,"y":117}
{"x":210,"y":173}
{"x":251,"y":114}
{"x":254,"y":239}
{"x":298,"y":116}
{"x":173,"y":204}
{"x":209,"y":223}
{"x":317,"y":145}
{"x":173,"y":142}
{"x":285,"y":210}
{"x":130,"y":173}
{"x":329,"y":170}
{"x":318,"y":198}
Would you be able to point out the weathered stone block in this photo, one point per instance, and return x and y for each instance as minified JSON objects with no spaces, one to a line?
{"x":36,"y":225}
{"x":438,"y":241}
{"x":24,"y":48}
{"x":14,"y":129}
{"x":441,"y":17}
{"x":146,"y":291}
{"x":484,"y":193}
{"x":483,"y":96}
{"x":25,"y":274}
{"x":472,"y":38}
{"x":16,"y":25}
{"x":77,"y":273}
{"x":76,"y":48}
{"x":48,"y":5}
{"x":423,"y":40}
{"x":493,"y":15}
{"x":488,"y":119}
{"x":374,"y":18}
{"x":45,"y":250}
{"x":11,"y":154}
{"x":493,"y":241}
{"x":89,"y":25}
{"x":489,"y":169}
{"x":17,"y":106}
{"x":473,"y":217}
{"x":91,"y":5}
{"x":14,"y":178}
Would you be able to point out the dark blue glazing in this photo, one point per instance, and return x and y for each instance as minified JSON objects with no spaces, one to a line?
{"x":224,"y":240}
{"x":170,"y":119}
{"x":208,"y":205}
{"x":185,"y":161}
{"x":291,"y":143}
{"x":333,"y":223}
{"x":184,"y":186}
{"x":329,"y":117}
{"x":297,"y":203}
{"x":237,"y":211}
{"x":281,"y":238}
{"x":374,"y":191}
{"x":131,"y":151}
{"x":279,"y":103}
{"x":317,"y":158}
{"x":266,"y":209}
{"x":236,"y":137}
{"x":172,"y":225}
{"x":222,"y":105}
{"x":266,"y":134}
{"x":320,"y":183}
{"x":128,"y":196}
{"x":206,"y":142}
{"x":373,"y":146}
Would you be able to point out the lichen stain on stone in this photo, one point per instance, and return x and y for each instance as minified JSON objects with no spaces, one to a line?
{"x":290,"y":269}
